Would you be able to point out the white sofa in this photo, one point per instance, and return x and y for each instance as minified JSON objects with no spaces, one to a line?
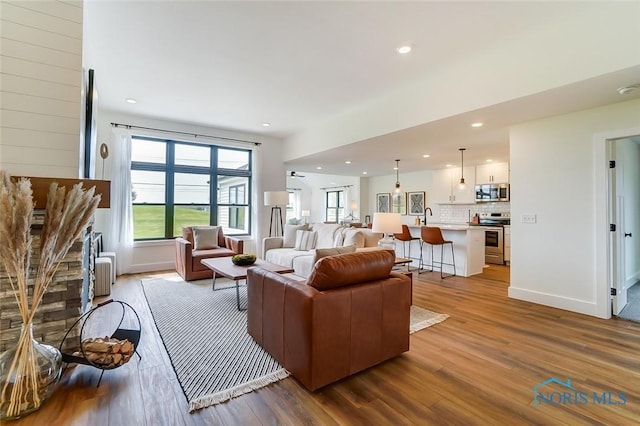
{"x":282,"y":251}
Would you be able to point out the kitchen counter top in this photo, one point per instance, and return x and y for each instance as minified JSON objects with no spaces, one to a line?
{"x":448,"y":226}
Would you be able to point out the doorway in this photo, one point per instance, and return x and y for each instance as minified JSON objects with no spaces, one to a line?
{"x":624,"y":214}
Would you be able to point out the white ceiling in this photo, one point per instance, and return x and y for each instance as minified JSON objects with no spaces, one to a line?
{"x":235,"y":65}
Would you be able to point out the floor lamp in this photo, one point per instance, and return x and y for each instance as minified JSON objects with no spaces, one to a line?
{"x":275,"y":199}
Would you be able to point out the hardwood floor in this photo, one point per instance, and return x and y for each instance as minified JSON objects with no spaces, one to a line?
{"x":478,"y":367}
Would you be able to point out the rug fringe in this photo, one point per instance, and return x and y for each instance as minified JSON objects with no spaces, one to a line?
{"x":227,"y":394}
{"x":426,"y":323}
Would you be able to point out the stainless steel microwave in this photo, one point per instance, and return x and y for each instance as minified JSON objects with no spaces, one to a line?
{"x":492,"y":192}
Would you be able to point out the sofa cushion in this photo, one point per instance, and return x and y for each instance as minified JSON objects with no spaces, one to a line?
{"x":205,"y":237}
{"x":305,"y":240}
{"x":320,"y":253}
{"x":289,"y":239}
{"x":326,"y":234}
{"x":370,"y":238}
{"x":354,"y":237}
{"x":198,"y":255}
{"x":285,"y":256}
{"x":351,"y":268}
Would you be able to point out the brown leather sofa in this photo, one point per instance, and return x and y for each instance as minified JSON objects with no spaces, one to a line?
{"x":188,"y":260}
{"x":352,"y":313}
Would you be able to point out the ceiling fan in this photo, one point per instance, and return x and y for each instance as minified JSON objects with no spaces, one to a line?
{"x":295,"y":175}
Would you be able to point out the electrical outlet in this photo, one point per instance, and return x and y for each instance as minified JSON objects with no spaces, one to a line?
{"x":528,"y":218}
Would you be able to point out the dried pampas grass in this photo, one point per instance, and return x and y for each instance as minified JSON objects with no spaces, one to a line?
{"x":67,"y":214}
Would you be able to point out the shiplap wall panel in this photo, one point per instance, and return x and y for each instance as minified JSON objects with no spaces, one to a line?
{"x":38,"y":37}
{"x":40,"y":71}
{"x":41,"y":122}
{"x":35,"y":138}
{"x":45,"y":55}
{"x":26,"y":13}
{"x":39,"y":105}
{"x":41,"y":87}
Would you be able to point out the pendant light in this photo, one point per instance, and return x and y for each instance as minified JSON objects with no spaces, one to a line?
{"x":462,"y":184}
{"x":397,"y":197}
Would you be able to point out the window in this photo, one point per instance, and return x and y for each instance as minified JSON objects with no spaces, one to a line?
{"x":335,"y":206}
{"x":290,"y":213}
{"x":174,"y":184}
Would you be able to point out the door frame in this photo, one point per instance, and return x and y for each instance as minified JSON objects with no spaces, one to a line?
{"x":603,"y":250}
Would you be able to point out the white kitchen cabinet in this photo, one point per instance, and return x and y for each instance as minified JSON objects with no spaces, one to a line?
{"x":507,"y":243}
{"x":492,"y":173}
{"x":446,"y":190}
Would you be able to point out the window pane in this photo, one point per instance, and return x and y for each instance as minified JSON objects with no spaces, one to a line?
{"x":192,"y":155}
{"x":332,"y":199}
{"x":191,"y":188}
{"x":147,"y":187}
{"x":232,"y":159}
{"x":233,"y":190}
{"x":148,"y":221}
{"x":331,"y":215}
{"x":148,"y":151}
{"x":189,"y":216}
{"x":234,"y":220}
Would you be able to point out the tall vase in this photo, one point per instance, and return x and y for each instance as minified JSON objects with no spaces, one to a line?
{"x":28,"y":373}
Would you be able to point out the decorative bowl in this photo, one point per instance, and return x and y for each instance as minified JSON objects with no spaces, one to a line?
{"x":243,"y":259}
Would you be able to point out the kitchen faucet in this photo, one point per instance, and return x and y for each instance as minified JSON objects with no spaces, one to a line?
{"x":425,"y":214}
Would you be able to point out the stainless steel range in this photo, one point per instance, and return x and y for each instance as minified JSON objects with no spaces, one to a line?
{"x":494,"y":235}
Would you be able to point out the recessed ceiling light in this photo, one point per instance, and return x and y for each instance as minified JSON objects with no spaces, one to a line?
{"x":347,"y":162}
{"x":266,"y":124}
{"x":404,"y":49}
{"x":489,"y":160}
{"x":364,"y":173}
{"x":319,"y":168}
{"x":448,"y":165}
{"x":130,"y":100}
{"x":625,"y":90}
{"x":425,"y":156}
{"x":478,"y":124}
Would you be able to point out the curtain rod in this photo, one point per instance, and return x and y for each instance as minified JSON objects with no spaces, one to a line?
{"x":195,"y":135}
{"x":334,"y":187}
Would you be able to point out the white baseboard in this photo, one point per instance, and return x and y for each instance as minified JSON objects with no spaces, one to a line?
{"x":151,"y":267}
{"x":632,"y":280}
{"x":573,"y":305}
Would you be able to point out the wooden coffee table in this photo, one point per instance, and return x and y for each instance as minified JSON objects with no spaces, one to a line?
{"x":225,"y":267}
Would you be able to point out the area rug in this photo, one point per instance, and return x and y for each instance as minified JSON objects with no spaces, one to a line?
{"x":206,"y":339}
{"x":422,"y":318}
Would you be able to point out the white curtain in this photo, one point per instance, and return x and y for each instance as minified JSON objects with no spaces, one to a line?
{"x":119,"y":235}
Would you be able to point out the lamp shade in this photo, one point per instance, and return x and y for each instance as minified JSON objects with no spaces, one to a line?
{"x":305,"y":213}
{"x":387,"y":223}
{"x":276,"y":198}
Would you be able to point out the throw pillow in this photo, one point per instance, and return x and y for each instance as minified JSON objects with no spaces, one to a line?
{"x":324,"y":252}
{"x":353,"y":237}
{"x":205,"y":237}
{"x":305,"y":240}
{"x":289,"y":239}
{"x":338,"y":237}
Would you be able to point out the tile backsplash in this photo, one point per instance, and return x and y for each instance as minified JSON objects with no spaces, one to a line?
{"x":462,"y":213}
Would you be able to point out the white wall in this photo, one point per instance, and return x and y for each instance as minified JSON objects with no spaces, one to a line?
{"x":554,"y":175}
{"x":41,"y":81}
{"x":269,"y":174}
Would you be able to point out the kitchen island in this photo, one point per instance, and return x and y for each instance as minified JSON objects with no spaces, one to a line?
{"x":468,"y":247}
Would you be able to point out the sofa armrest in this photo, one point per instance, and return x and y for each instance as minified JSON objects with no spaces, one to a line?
{"x":183,"y":257}
{"x":236,"y":245}
{"x":270,"y":243}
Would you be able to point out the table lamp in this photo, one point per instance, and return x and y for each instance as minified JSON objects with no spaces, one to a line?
{"x":387,"y":224}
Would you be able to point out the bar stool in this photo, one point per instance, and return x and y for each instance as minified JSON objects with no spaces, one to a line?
{"x":405,"y":236}
{"x":433,"y":236}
